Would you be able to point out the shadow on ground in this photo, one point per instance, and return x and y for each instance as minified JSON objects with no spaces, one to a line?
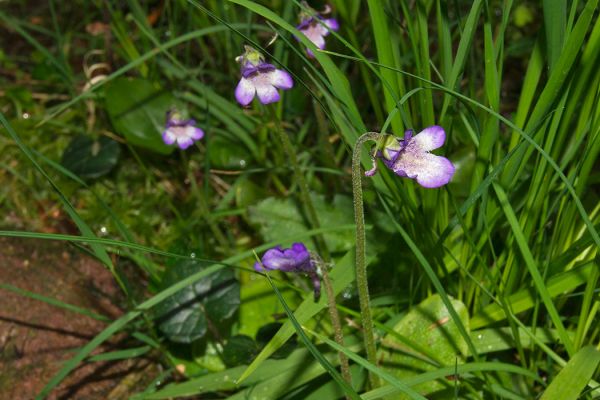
{"x":37,"y":338}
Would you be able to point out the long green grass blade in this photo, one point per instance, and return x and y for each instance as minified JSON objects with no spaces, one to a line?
{"x":571,"y":380}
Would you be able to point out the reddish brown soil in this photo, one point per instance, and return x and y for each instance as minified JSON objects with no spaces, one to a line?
{"x":37,"y":338}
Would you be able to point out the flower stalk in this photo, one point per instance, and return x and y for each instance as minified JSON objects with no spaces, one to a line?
{"x":311,"y":213}
{"x":361,"y":268}
{"x":337,"y":326}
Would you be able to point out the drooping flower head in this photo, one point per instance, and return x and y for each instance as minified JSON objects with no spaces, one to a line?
{"x":295,"y":259}
{"x":180,"y":130}
{"x":411,"y":158}
{"x":315,"y":27}
{"x":260,"y":78}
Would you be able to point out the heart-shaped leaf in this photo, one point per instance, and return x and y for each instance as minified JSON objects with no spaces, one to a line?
{"x":184,"y":317}
{"x":137,"y":110}
{"x":89,"y":158}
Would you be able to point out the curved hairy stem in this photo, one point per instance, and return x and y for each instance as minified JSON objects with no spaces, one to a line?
{"x":361,"y":269}
{"x":337,"y":326}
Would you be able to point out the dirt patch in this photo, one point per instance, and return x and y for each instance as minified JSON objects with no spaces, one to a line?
{"x":37,"y":338}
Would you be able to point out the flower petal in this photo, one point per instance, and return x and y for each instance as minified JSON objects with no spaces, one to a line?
{"x":429,"y":170}
{"x":332,"y":24}
{"x":184,"y":142}
{"x":195,"y":133}
{"x":281,"y":79}
{"x":168,"y":137}
{"x":267,"y":94}
{"x":244,"y":92}
{"x":430,"y":138}
{"x":276,"y":259}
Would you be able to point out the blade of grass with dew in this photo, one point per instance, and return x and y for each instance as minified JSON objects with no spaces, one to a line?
{"x":555,"y":20}
{"x":120,"y":354}
{"x":54,"y":302}
{"x":574,"y":376}
{"x":135,"y":246}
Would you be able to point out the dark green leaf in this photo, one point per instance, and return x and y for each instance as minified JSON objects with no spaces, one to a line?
{"x":137,"y":110}
{"x":184,"y":317}
{"x":89,"y":158}
{"x":240,"y":349}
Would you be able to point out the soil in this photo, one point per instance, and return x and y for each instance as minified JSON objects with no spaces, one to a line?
{"x":37,"y":338}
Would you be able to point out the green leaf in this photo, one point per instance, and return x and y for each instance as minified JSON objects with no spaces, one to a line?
{"x":240,"y":349}
{"x":137,"y":110}
{"x":277,"y":218}
{"x":571,"y":380}
{"x":184,"y":316}
{"x":429,"y":326}
{"x":89,"y":158}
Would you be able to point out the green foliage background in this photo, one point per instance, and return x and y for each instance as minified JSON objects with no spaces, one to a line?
{"x":510,"y":245}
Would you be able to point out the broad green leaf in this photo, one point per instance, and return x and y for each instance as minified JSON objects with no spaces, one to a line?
{"x":239,"y":349}
{"x":277,"y":218}
{"x":184,"y":316}
{"x":430,"y":326}
{"x":89,"y":158}
{"x":137,"y":110}
{"x":571,"y":380}
{"x":258,"y":303}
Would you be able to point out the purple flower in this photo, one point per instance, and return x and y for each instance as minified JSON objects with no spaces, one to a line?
{"x":295,"y":259}
{"x":410,"y":157}
{"x":316,"y":31}
{"x":315,"y":28}
{"x":182,"y":131}
{"x":260,"y":78}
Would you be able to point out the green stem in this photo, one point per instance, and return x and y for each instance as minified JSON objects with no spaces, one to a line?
{"x":304,"y":192}
{"x":337,"y":326}
{"x":203,"y":208}
{"x":361,"y":268}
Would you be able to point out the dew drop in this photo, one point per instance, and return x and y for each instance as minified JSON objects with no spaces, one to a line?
{"x":103,"y":230}
{"x":26,"y":115}
{"x":242,"y":163}
{"x":480,"y":336}
{"x":193,"y":255}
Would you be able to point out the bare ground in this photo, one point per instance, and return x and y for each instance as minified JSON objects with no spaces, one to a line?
{"x":37,"y":338}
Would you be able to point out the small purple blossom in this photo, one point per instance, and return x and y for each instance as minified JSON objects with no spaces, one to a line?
{"x":315,"y":28}
{"x":295,"y":259}
{"x":182,"y":131}
{"x":411,"y":158}
{"x":260,"y":78}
